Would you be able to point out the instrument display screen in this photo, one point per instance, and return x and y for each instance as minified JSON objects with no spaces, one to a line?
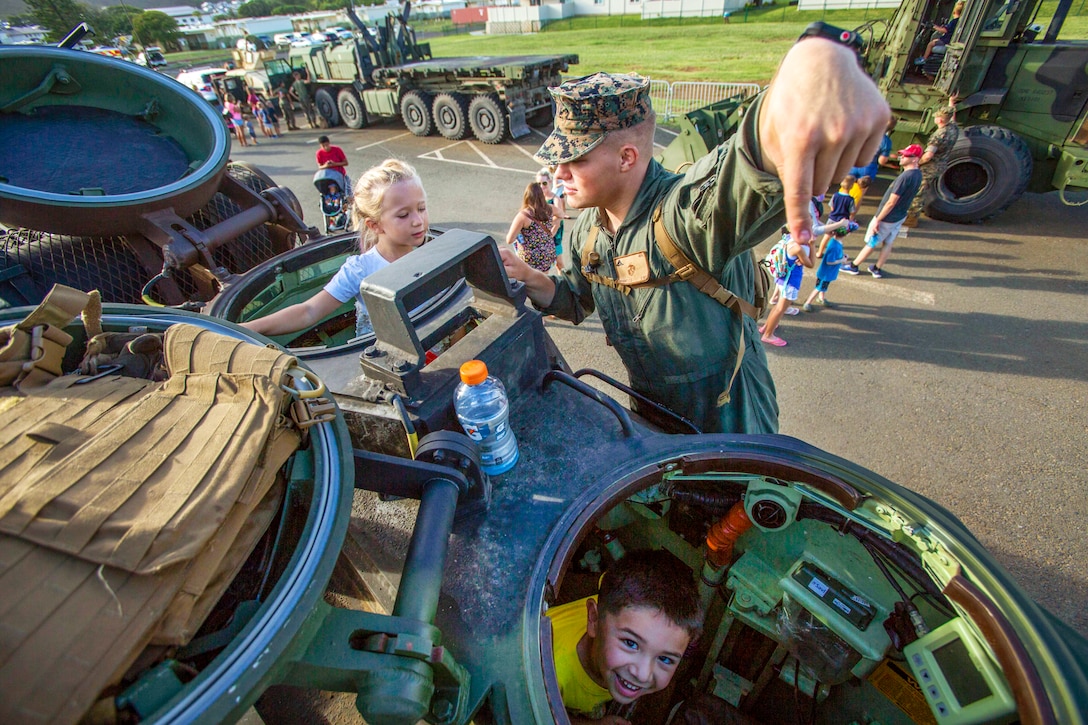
{"x":963,"y":677}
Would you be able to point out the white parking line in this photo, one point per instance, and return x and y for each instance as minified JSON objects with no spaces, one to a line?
{"x":384,"y":140}
{"x":519,"y":148}
{"x":436,"y":155}
{"x":481,"y":154}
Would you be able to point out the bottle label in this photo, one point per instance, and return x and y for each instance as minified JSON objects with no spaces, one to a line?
{"x":494,"y":440}
{"x":479,"y":431}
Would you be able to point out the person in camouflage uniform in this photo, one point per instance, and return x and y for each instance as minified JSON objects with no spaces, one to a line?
{"x":935,"y":158}
{"x":679,"y":345}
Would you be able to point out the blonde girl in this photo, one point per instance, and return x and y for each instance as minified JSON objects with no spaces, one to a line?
{"x":390,"y":211}
{"x":534,"y":227}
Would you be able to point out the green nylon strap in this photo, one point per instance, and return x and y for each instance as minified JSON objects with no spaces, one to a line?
{"x":686,"y":271}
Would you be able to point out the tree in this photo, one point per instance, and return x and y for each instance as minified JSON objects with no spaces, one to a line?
{"x":255,"y":9}
{"x":151,"y":27}
{"x":57,"y":16}
{"x":111,"y":22}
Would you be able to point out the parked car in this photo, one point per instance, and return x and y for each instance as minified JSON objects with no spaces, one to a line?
{"x":283,"y":40}
{"x":151,"y":57}
{"x":202,"y":80}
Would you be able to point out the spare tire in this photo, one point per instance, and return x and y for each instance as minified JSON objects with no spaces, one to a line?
{"x":988,"y":169}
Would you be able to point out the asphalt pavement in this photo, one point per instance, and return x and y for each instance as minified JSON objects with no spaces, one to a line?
{"x":962,"y":375}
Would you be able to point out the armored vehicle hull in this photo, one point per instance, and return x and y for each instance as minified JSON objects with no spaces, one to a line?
{"x":839,"y":592}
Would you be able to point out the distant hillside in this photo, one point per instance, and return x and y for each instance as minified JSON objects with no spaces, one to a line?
{"x":16,"y":7}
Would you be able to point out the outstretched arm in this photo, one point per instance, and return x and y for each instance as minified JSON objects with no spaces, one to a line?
{"x":539,"y":286}
{"x":810,"y":140}
{"x":296,"y":317}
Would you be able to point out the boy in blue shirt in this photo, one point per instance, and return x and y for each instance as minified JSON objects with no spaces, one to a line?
{"x":628,"y":640}
{"x":827,"y":272}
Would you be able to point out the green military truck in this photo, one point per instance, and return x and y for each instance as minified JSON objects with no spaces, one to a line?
{"x":385,"y":73}
{"x":1024,"y":99}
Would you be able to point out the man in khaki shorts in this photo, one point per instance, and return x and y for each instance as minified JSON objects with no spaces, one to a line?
{"x":892,"y":212}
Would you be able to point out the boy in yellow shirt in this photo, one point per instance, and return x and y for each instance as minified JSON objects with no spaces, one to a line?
{"x":628,"y":640}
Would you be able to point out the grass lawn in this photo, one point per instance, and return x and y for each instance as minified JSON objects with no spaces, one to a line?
{"x":194,"y":58}
{"x":687,"y":49}
{"x":746,"y":50}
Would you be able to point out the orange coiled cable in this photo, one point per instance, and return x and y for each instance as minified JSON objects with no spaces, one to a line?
{"x":724,"y":533}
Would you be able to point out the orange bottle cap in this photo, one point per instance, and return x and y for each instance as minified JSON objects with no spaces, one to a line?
{"x":473,"y":372}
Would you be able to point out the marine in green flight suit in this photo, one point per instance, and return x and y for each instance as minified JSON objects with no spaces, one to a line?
{"x":679,"y":345}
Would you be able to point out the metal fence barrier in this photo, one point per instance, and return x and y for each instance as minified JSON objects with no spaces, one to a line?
{"x":686,"y":96}
{"x":676,"y":99}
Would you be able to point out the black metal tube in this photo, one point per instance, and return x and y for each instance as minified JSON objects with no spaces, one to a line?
{"x":591,"y":392}
{"x":638,"y":396}
{"x":421,"y":579}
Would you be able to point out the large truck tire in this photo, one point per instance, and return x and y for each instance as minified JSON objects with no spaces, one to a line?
{"x":450,"y":112}
{"x":325,"y":102}
{"x":352,"y":110}
{"x":487,"y":118}
{"x":107,"y":264}
{"x":415,"y":109}
{"x":989,"y":168}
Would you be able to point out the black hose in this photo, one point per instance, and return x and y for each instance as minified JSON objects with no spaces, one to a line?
{"x":707,"y":499}
{"x":639,"y":397}
{"x":897,"y":554}
{"x":591,"y":392}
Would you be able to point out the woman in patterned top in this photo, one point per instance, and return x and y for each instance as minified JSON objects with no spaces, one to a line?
{"x":534,"y":227}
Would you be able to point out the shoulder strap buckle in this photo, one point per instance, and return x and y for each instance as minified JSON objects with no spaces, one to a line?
{"x":686,"y":272}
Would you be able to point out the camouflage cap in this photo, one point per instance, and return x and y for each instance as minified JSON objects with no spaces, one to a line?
{"x":588,"y":108}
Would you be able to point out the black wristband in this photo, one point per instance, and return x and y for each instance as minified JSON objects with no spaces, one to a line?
{"x":849,"y":38}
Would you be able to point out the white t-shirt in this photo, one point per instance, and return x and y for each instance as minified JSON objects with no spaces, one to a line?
{"x":345,"y":284}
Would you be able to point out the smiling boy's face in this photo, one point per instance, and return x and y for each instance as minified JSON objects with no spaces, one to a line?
{"x":632,"y":652}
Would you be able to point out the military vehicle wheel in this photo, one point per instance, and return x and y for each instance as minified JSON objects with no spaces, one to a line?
{"x":415,"y":109}
{"x":988,"y":170}
{"x":485,"y":115}
{"x":326,"y":106}
{"x":451,"y":115}
{"x":352,"y":110}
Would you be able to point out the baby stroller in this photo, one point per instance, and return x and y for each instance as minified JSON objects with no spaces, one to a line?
{"x":333,"y":187}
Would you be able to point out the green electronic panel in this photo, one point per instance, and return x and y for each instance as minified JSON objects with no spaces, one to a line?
{"x":960,"y":681}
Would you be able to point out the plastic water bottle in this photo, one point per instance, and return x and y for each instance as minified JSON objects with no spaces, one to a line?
{"x":484,"y":411}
